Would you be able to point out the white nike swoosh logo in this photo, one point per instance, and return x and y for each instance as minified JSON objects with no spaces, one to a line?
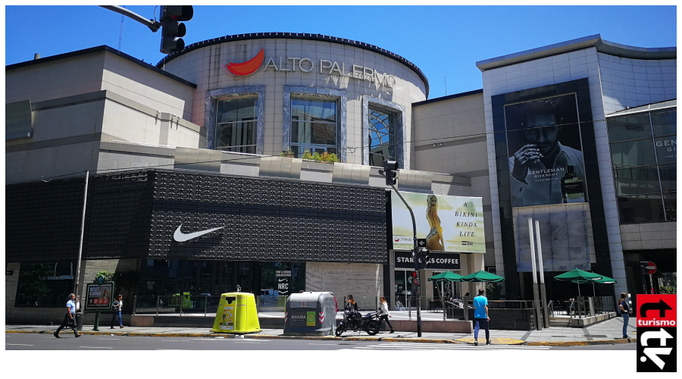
{"x":183,"y":237}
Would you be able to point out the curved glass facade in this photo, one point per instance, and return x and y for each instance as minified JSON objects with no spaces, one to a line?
{"x":644,"y":156}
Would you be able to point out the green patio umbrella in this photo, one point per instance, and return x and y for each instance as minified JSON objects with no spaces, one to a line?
{"x":482,"y":276}
{"x":603,"y":280}
{"x":576,"y":275}
{"x":446,"y":276}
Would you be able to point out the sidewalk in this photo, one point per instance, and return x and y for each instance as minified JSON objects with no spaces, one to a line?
{"x":602,"y":333}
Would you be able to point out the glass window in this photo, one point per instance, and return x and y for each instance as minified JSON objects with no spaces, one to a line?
{"x":664,"y":122}
{"x":629,"y":128}
{"x":314,"y":124}
{"x":630,"y":181}
{"x":666,"y":149}
{"x":670,"y":202}
{"x":668,"y":177}
{"x":633,"y":153}
{"x":644,"y":153}
{"x":381,"y":137}
{"x":45,"y":284}
{"x":236,"y":124}
{"x":641,"y":208}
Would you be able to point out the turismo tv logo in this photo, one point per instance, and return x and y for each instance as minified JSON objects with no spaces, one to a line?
{"x":656,"y":333}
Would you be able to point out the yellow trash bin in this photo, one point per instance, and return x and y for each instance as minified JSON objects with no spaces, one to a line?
{"x":236,"y":314}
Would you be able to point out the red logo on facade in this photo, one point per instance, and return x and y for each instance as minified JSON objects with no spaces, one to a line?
{"x":246,"y":68}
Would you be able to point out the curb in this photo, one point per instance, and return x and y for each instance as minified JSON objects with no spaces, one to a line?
{"x":373,"y":339}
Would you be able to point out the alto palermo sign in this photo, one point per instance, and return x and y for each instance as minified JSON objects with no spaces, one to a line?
{"x":309,"y":65}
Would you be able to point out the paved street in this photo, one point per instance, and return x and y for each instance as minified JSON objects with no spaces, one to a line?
{"x":190,"y":351}
{"x":45,"y":341}
{"x":607,"y":332}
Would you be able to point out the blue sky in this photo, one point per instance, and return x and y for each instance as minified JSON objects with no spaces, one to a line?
{"x":445,"y":42}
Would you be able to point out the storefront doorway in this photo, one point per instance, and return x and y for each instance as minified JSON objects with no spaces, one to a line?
{"x":404,"y":279}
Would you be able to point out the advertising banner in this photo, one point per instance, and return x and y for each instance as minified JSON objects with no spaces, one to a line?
{"x":545,"y":151}
{"x":448,"y":223}
{"x":99,"y":296}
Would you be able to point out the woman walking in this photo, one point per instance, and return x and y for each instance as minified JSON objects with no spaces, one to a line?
{"x":384,"y":314}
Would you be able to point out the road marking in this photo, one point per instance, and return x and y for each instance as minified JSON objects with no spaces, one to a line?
{"x":95,"y":347}
{"x":18,"y":344}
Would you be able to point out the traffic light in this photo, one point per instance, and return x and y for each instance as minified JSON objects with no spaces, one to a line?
{"x":171,"y":29}
{"x":390,"y":172}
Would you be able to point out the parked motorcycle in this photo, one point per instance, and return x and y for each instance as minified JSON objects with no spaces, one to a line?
{"x":353,"y":320}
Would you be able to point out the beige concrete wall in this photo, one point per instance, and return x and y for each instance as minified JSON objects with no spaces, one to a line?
{"x":147,"y":87}
{"x":55,"y":79}
{"x":363,"y":280}
{"x":652,"y":236}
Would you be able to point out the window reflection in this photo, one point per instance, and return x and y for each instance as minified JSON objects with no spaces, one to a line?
{"x":381,"y":137}
{"x":314,"y":124}
{"x":45,"y":284}
{"x":645,"y":168}
{"x":236,"y":124}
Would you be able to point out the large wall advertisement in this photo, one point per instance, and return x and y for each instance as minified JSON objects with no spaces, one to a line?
{"x":545,"y":154}
{"x":448,"y":223}
{"x":546,"y":162}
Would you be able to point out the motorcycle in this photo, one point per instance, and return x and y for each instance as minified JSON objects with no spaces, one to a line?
{"x":353,"y":320}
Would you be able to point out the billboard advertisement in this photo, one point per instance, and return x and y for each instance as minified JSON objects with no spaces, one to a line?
{"x":99,"y":296}
{"x":545,"y":151}
{"x":448,"y":223}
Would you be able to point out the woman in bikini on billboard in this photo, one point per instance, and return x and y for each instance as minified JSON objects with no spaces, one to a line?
{"x":434,"y":240}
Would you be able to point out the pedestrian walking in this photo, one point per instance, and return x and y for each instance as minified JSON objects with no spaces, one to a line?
{"x":384,"y":314}
{"x":118,"y":305}
{"x":70,"y":317}
{"x":481,"y":317}
{"x":625,"y":312}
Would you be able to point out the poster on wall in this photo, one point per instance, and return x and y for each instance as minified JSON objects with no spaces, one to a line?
{"x":448,"y":223}
{"x":545,"y":152}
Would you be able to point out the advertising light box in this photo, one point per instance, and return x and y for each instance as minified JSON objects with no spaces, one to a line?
{"x":448,"y":223}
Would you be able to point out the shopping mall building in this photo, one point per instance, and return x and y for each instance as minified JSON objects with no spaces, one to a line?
{"x":190,"y":176}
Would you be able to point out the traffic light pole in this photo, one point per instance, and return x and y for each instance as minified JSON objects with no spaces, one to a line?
{"x":415,"y":256}
{"x":151,"y":24}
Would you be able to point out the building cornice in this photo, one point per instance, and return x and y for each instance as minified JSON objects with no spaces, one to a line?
{"x":595,"y":41}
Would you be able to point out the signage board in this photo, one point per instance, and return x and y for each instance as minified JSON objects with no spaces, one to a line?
{"x":99,"y":296}
{"x":437,"y":261}
{"x":447,"y":223}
